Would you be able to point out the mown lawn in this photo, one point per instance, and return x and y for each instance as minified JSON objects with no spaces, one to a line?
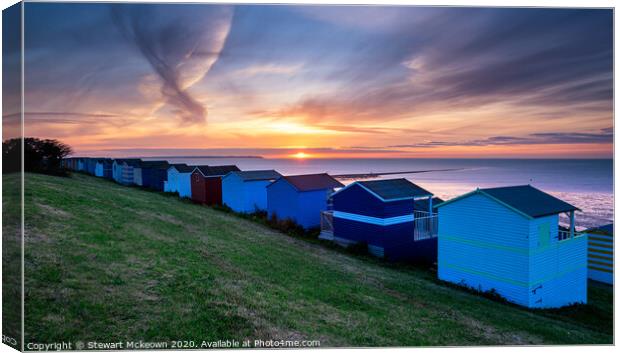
{"x":108,"y":263}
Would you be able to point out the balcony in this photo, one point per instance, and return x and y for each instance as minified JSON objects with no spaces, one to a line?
{"x":327,"y":225}
{"x":425,"y":225}
{"x":566,"y":234}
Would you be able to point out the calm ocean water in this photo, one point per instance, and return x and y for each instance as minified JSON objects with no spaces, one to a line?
{"x":587,"y":184}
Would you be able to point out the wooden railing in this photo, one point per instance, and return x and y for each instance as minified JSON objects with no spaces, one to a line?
{"x":565,"y":234}
{"x":425,"y":225}
{"x":327,"y":222}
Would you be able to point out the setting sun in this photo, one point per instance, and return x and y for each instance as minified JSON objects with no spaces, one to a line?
{"x":301,"y":155}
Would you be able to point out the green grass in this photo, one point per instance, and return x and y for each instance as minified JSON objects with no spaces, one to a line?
{"x":11,"y":262}
{"x":107,"y":263}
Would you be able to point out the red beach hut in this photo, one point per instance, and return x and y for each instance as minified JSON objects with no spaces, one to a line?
{"x":207,"y":183}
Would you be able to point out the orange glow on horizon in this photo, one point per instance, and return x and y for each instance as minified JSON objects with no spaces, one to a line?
{"x":301,"y":155}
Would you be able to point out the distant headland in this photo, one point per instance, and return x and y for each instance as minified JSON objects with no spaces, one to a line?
{"x":205,"y":157}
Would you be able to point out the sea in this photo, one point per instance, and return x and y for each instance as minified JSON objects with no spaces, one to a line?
{"x":584,"y":183}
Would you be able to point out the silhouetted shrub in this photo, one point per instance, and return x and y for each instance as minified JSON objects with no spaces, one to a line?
{"x":223,"y":208}
{"x":40,"y":156}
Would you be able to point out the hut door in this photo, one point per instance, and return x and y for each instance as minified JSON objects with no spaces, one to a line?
{"x":543,"y":234}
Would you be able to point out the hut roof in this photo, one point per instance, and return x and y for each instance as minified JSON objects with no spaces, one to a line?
{"x":182,"y":167}
{"x":216,"y":170}
{"x":310,"y":182}
{"x":130,"y":161}
{"x":104,"y":160}
{"x":154,"y":164}
{"x":525,"y":199}
{"x":201,"y":168}
{"x":393,"y":189}
{"x":254,"y":175}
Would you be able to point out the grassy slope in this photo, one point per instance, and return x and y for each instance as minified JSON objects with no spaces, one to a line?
{"x":106,"y":262}
{"x":11,"y":262}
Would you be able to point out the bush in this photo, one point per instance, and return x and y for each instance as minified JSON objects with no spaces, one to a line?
{"x":40,"y":156}
{"x":259,"y":215}
{"x":287,"y":226}
{"x":489,"y":294}
{"x":223,"y":208}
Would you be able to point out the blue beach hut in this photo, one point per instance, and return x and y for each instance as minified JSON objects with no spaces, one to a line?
{"x":300,"y":198}
{"x":601,"y":253}
{"x":117,"y":166}
{"x":508,"y":240}
{"x":179,"y":180}
{"x":91,"y":164}
{"x":127,"y":170}
{"x":137,"y":175}
{"x":393,"y":217}
{"x":246,"y":191}
{"x":107,"y":168}
{"x":122,"y":170}
{"x":103,"y":168}
{"x":154,"y":173}
{"x":99,"y":168}
{"x":81,"y":164}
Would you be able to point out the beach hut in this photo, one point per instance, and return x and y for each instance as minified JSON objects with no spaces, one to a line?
{"x":99,"y":168}
{"x":154,"y":173}
{"x":508,"y":240}
{"x":69,"y":163}
{"x":601,"y":253}
{"x":179,"y":179}
{"x":246,"y":191}
{"x":107,"y":168}
{"x":393,"y":217}
{"x":300,"y":198}
{"x":127,"y":170}
{"x":122,"y":170}
{"x":91,"y":164}
{"x":103,"y":168}
{"x":206,"y":183}
{"x":81,"y":164}
{"x":117,"y":166}
{"x":137,"y":174}
{"x":73,"y":163}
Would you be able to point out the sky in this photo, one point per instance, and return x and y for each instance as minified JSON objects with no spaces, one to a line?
{"x":328,"y":81}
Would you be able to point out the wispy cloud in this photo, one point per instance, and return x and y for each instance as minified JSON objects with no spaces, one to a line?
{"x":556,"y":61}
{"x":180,"y":46}
{"x":268,"y":69}
{"x":544,"y":138}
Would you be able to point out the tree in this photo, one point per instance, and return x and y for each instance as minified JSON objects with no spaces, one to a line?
{"x":40,"y":156}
